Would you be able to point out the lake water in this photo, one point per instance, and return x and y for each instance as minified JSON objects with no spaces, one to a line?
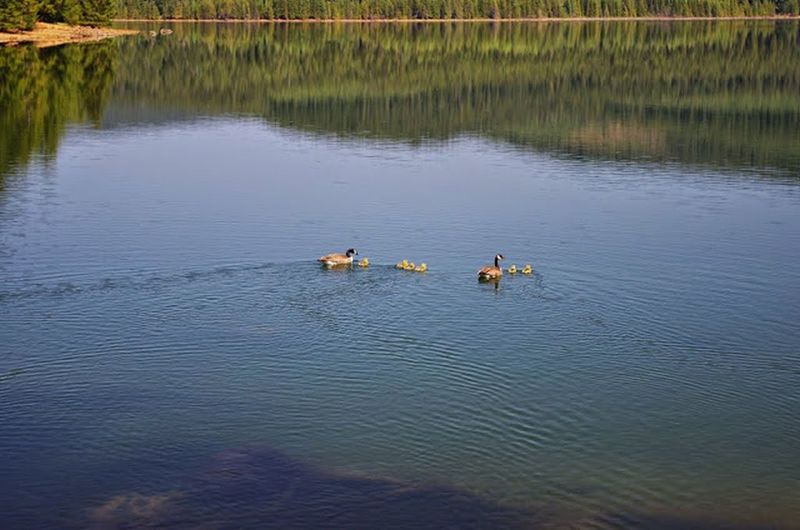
{"x":172,"y":355}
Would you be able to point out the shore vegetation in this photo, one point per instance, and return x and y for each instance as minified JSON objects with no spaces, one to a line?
{"x":22,"y":15}
{"x":19,"y":15}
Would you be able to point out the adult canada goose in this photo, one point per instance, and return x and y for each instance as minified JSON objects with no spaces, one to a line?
{"x":492,"y":273}
{"x":332,"y":260}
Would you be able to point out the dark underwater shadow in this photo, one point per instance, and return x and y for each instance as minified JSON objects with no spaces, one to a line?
{"x":263,"y":488}
{"x":257,"y":487}
{"x":668,"y":522}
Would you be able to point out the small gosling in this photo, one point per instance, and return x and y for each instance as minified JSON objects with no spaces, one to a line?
{"x":409,"y":266}
{"x":423,"y":267}
{"x":402,"y":264}
{"x":364,"y":262}
{"x":528,"y":269}
{"x":512,"y":269}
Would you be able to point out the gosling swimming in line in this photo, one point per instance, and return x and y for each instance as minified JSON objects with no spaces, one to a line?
{"x":406,"y":265}
{"x":492,"y":272}
{"x":335,"y":260}
{"x":364,"y":262}
{"x":528,"y":269}
{"x":512,"y":269}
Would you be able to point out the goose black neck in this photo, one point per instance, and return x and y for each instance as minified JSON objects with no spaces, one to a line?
{"x":497,"y":262}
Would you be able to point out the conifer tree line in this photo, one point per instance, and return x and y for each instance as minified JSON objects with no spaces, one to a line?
{"x":445,"y":9}
{"x":23,"y":14}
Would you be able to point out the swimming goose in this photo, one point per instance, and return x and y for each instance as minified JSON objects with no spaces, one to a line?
{"x":492,"y":273}
{"x":332,"y":260}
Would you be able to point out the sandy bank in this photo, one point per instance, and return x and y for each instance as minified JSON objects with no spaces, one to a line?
{"x":45,"y":34}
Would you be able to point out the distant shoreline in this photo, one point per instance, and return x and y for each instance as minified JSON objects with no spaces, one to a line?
{"x":458,"y":20}
{"x":47,"y":34}
{"x":44,"y":35}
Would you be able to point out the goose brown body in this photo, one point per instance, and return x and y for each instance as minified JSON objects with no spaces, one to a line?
{"x":490,"y":272}
{"x":334,"y":259}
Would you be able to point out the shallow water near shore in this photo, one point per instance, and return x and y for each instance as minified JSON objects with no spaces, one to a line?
{"x":172,"y":355}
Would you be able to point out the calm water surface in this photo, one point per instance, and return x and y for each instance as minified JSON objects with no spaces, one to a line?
{"x":171,"y":354}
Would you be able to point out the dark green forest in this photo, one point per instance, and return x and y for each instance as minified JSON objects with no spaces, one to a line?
{"x":22,"y":14}
{"x":725,"y":94}
{"x":445,"y":9}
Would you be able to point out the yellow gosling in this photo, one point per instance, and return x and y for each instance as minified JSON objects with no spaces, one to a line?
{"x":512,"y":269}
{"x":402,"y":265}
{"x":528,"y":269}
{"x":364,"y":262}
{"x":409,"y":266}
{"x":422,"y":268}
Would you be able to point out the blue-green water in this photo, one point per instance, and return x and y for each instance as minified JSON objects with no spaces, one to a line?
{"x":172,"y":355}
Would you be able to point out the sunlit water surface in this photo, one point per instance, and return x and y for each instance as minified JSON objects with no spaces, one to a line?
{"x":171,"y":354}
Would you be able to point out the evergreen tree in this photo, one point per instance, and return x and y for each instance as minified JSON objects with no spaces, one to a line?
{"x":18,"y":14}
{"x":23,"y":14}
{"x":97,"y":12}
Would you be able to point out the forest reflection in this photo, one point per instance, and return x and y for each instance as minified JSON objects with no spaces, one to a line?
{"x":725,"y":94}
{"x":44,"y":91}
